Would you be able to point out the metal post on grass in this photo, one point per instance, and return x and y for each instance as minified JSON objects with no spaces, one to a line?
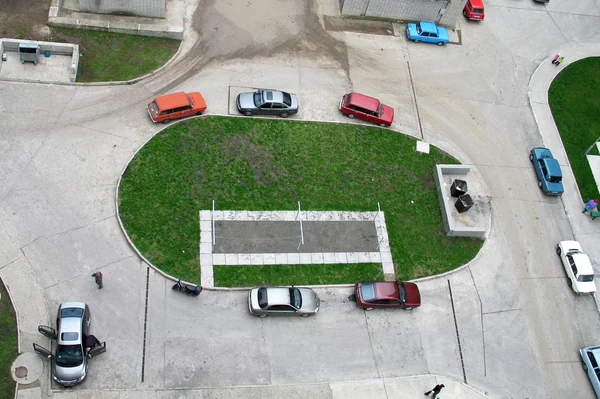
{"x":378,"y":215}
{"x":212,"y":220}
{"x":299,"y":217}
{"x":592,"y":146}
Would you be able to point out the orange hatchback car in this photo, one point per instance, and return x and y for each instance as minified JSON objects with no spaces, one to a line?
{"x":176,"y":105}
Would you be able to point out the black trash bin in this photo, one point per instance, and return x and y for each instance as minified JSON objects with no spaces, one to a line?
{"x":458,"y":188}
{"x":464,"y":203}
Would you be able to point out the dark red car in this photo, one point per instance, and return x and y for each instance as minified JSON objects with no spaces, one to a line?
{"x":356,"y":105}
{"x":387,"y":294}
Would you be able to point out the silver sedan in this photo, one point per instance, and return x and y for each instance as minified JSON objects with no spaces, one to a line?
{"x":267,"y":102}
{"x":283,"y":301}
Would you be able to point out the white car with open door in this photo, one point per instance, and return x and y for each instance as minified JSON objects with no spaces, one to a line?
{"x":580,"y":273}
{"x":69,"y":362}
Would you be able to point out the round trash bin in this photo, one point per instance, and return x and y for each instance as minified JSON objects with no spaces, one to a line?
{"x":458,"y":188}
{"x":464,"y":203}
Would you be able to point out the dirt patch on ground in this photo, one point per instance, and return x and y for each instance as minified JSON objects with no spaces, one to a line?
{"x":24,"y":19}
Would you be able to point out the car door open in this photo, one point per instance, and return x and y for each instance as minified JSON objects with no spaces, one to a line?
{"x":96,"y":350}
{"x":40,"y":350}
{"x":47,"y":331}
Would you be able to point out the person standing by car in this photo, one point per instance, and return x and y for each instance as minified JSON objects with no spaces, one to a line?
{"x":90,"y":342}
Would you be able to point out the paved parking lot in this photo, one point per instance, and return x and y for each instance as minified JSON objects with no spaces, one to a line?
{"x":518,"y":324}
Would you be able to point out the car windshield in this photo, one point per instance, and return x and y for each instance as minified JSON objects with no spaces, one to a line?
{"x":258,"y":100}
{"x":555,"y":179}
{"x":154,"y":106}
{"x":69,"y":355}
{"x":419,"y":30}
{"x":367,"y":291}
{"x":295,"y":298}
{"x":190,"y":101}
{"x":287,"y":99}
{"x":585,"y":278}
{"x":71,"y":312}
{"x":380,"y":109}
{"x":401,"y":292}
{"x":262,"y":297}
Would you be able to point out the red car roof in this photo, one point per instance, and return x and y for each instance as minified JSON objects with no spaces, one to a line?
{"x":363,"y":101}
{"x":477,"y":3}
{"x":386,"y":290}
{"x":174,"y":100}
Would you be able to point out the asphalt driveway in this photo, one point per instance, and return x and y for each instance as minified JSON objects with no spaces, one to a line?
{"x":518,"y":324}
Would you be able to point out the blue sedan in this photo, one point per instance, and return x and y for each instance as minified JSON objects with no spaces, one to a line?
{"x":427,"y":31}
{"x":547,"y":170}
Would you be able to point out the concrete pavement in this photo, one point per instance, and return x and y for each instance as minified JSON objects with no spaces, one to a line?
{"x":518,"y":325}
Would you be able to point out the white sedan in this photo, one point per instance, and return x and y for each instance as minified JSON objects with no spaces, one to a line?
{"x":578,"y":267}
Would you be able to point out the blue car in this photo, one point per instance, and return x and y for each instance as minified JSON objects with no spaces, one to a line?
{"x":548,"y":171}
{"x":427,"y":31}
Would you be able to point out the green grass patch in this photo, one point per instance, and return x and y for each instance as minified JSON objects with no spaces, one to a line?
{"x":8,"y":342}
{"x":109,"y":57}
{"x":313,"y":274}
{"x":573,"y":98}
{"x":270,"y":164}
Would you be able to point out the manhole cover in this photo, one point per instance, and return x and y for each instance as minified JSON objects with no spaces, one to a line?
{"x":27,"y":368}
{"x":21,"y":372}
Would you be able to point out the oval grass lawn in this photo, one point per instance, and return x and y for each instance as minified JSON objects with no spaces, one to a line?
{"x":271,"y":164}
{"x":573,"y":100}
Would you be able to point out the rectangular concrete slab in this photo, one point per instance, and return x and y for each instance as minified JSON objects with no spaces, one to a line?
{"x":279,"y":237}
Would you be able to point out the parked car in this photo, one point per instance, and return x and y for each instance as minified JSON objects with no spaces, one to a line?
{"x":474,"y":10}
{"x":175,"y":106}
{"x":580,"y":273}
{"x":69,"y":362}
{"x":387,"y":294}
{"x":427,"y":31}
{"x":547,"y":170}
{"x":283,"y":301}
{"x":591,"y":357}
{"x":356,"y":105}
{"x":267,"y":102}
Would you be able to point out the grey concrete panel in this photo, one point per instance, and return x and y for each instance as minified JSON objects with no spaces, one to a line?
{"x":396,"y":340}
{"x":282,"y":237}
{"x":334,"y":345}
{"x":579,"y":29}
{"x":314,"y":391}
{"x":56,"y":68}
{"x":376,"y":56}
{"x":469,"y":319}
{"x":510,"y":362}
{"x":508,"y":26}
{"x":437,"y":331}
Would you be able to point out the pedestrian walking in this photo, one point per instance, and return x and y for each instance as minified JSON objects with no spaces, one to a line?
{"x":591,"y":204}
{"x":559,"y":60}
{"x":555,"y":58}
{"x":98,"y":277}
{"x":436,"y":391}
